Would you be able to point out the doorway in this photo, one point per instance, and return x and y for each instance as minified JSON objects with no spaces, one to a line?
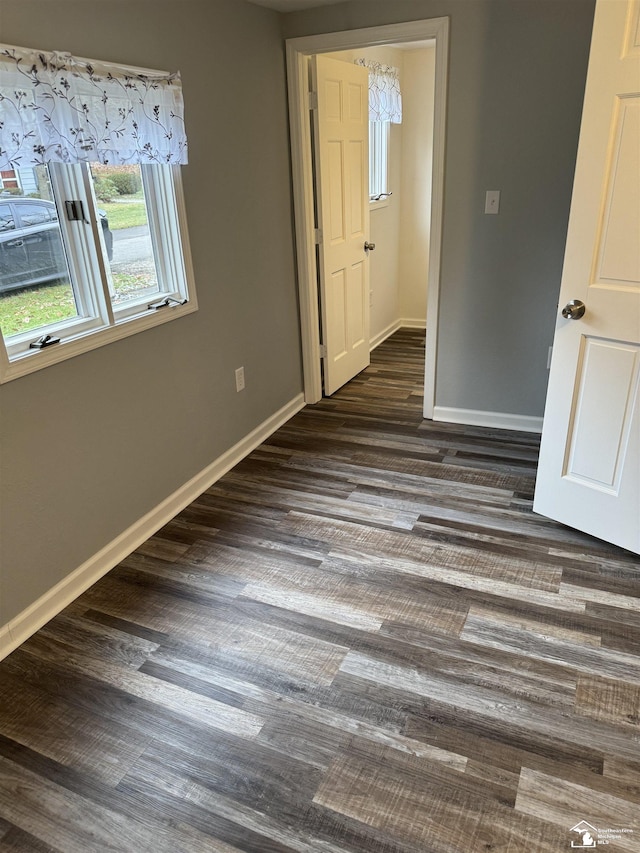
{"x":298,"y":51}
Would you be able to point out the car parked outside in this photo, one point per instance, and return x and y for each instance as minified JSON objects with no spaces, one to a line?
{"x":31,"y":249}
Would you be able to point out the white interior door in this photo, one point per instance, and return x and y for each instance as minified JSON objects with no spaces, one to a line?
{"x":589,"y":471}
{"x":341,"y":129}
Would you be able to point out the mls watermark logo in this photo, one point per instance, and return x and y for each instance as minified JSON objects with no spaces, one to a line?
{"x":587,"y":835}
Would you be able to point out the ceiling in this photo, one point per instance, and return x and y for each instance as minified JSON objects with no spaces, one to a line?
{"x":293,"y":5}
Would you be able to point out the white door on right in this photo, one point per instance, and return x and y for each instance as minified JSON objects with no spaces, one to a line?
{"x":589,"y":469}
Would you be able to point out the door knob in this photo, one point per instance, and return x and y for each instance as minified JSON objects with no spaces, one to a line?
{"x":369,"y":247}
{"x":573,"y":310}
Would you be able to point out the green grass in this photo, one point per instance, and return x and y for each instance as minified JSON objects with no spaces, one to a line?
{"x":124,"y":214}
{"x":29,"y":309}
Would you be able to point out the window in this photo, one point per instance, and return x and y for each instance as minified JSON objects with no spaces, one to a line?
{"x":35,"y":213}
{"x":6,"y":219}
{"x":385,"y":109}
{"x":379,"y":134}
{"x":93,"y":241}
{"x":9,"y":180}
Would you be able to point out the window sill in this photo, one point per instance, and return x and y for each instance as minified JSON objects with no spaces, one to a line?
{"x":378,"y":205}
{"x":39,"y":359}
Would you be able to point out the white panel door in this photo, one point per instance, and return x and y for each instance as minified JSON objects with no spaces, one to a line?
{"x":341,"y":130}
{"x":589,"y":470}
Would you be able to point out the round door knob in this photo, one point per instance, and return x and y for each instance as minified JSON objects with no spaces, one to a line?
{"x":369,"y":247}
{"x":574,"y":310}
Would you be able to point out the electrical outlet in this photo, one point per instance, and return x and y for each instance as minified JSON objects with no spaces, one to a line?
{"x":371,"y":299}
{"x":240,"y":379}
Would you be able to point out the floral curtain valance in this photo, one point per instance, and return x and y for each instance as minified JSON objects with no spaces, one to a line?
{"x":385,"y":98}
{"x":56,"y":108}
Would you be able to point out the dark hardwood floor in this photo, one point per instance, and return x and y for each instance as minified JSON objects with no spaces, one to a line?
{"x":360,"y":639}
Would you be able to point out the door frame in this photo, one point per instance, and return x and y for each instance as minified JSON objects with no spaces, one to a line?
{"x":298,"y":50}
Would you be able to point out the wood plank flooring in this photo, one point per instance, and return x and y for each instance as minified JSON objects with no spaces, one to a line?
{"x":361,"y":639}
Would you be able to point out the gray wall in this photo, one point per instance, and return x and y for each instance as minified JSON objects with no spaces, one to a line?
{"x":517,"y":74}
{"x":88,"y":446}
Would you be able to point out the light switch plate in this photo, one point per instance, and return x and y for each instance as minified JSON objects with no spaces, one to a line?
{"x":492,"y":201}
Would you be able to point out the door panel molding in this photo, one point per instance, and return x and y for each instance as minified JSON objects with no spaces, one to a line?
{"x":602,"y":419}
{"x":618,"y":260}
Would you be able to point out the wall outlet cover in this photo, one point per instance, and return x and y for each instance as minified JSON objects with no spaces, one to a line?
{"x":492,"y":201}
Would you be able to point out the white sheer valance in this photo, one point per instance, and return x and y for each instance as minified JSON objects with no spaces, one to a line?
{"x":56,"y":108}
{"x":385,"y":97}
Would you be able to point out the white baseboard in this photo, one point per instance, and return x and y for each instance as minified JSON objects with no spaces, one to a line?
{"x":384,"y":334}
{"x":497,"y":420}
{"x":5,"y":640}
{"x":404,"y":323}
{"x":67,"y":590}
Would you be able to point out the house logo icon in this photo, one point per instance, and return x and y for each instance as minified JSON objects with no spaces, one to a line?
{"x":588,"y":836}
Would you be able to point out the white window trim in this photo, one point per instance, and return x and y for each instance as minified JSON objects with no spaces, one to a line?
{"x":84,"y":338}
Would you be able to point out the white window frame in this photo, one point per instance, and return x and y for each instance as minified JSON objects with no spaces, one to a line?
{"x":98,"y":322}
